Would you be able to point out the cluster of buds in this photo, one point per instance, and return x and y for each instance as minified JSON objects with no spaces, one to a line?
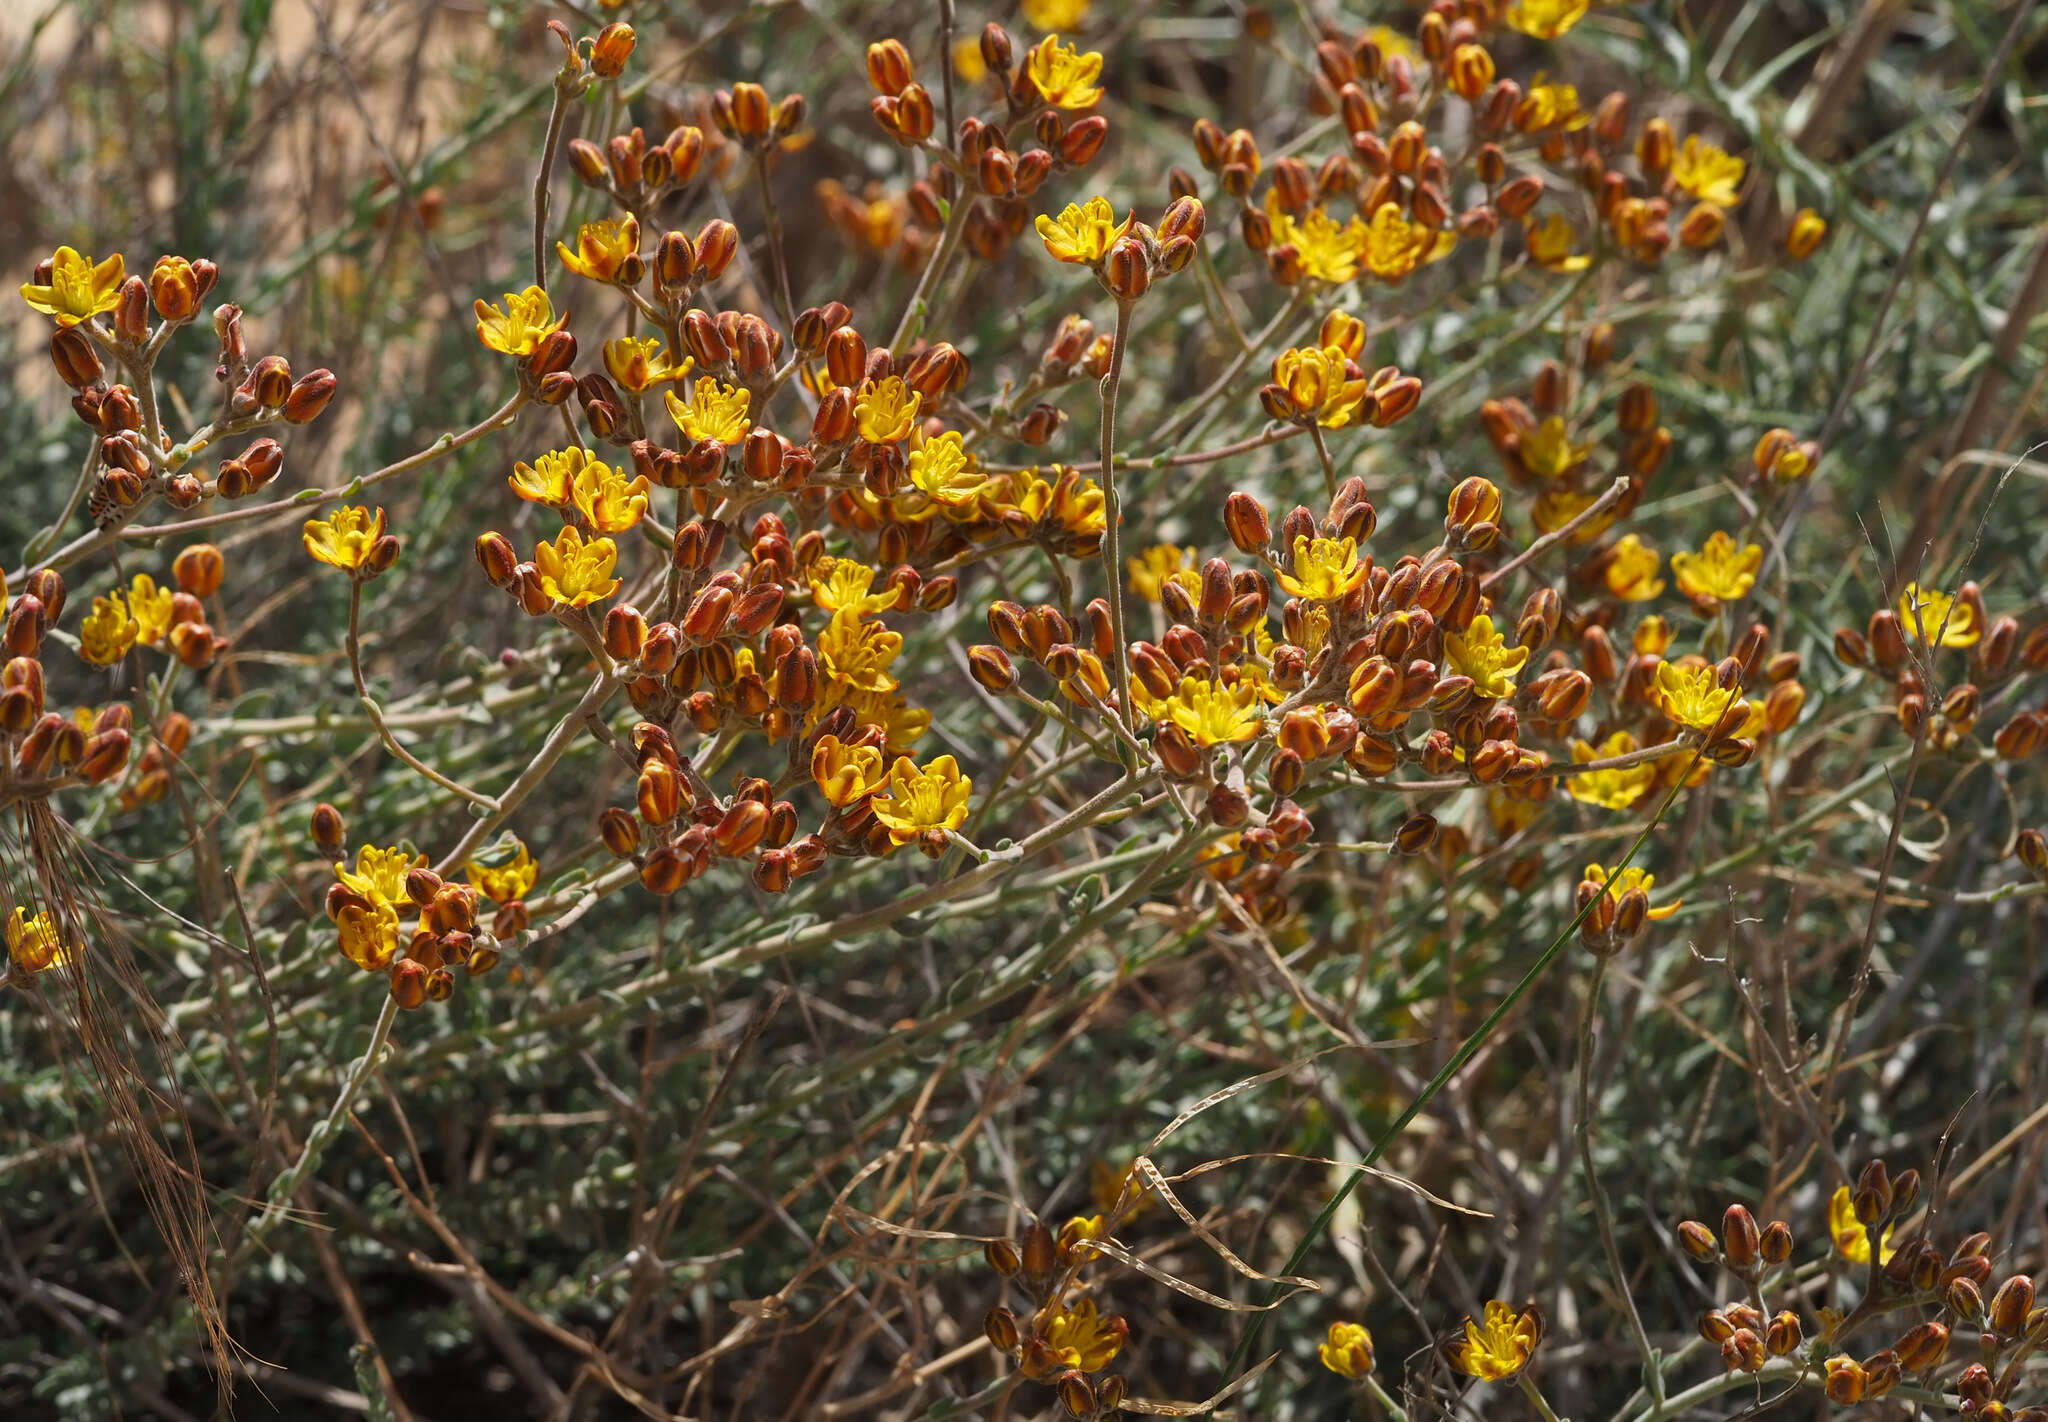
{"x":746,"y":115}
{"x":682,"y":827}
{"x":368,"y":906}
{"x":1059,"y":1340}
{"x":41,"y":751}
{"x":989,"y":166}
{"x":1904,"y":643}
{"x":1399,"y":181}
{"x":136,"y":463}
{"x":1913,"y":1275}
{"x":635,"y":176}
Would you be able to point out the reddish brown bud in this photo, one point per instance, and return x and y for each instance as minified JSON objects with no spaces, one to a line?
{"x":310,"y":395}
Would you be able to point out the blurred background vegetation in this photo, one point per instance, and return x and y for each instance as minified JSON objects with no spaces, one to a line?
{"x":362,"y":172}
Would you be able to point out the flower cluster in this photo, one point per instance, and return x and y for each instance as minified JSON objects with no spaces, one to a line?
{"x":1914,"y":1295}
{"x":1910,"y":642}
{"x":369,"y":903}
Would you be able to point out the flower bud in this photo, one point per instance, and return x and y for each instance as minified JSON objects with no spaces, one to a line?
{"x":991,"y":668}
{"x":1516,"y":198}
{"x":1784,"y":1335}
{"x":1126,"y":272}
{"x":131,"y":312}
{"x":1804,"y":236}
{"x":1415,"y":834}
{"x":78,"y":364}
{"x":1740,"y":1239}
{"x":1845,"y":1382}
{"x":1082,"y":141}
{"x":329,"y":834}
{"x":1922,"y":1347}
{"x":718,"y":241}
{"x":1742,"y":1351}
{"x":409,"y":983}
{"x":310,"y":395}
{"x":611,"y":49}
{"x":494,"y":553}
{"x":1698,"y":1241}
{"x":2007,"y":1314}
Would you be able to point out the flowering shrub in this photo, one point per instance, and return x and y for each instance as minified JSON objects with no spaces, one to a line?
{"x":1348,"y":628}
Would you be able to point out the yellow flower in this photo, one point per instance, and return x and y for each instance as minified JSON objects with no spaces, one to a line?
{"x":1071,"y":502}
{"x":715,"y":412}
{"x":1484,"y":655}
{"x":1652,"y":636}
{"x":840,"y":585}
{"x":1709,"y":173}
{"x":344,"y":538}
{"x":1212,"y":715}
{"x":1550,"y":244}
{"x":1852,"y":1240}
{"x":602,"y":248}
{"x":886,"y":410}
{"x":1325,"y":569}
{"x":1719,"y":572}
{"x":1632,"y":573}
{"x":1055,"y":14}
{"x":576,"y":573}
{"x":1693,"y":696}
{"x":638,"y":365}
{"x":1081,"y":1339}
{"x":1394,"y":246}
{"x":150,"y":606}
{"x":945,"y":472}
{"x":967,"y":60}
{"x":1630,"y":878}
{"x":1064,"y":75}
{"x":369,"y":935}
{"x":1546,"y":19}
{"x":1329,"y":251}
{"x":1315,"y":381}
{"x":107,"y":632}
{"x":77,"y":290}
{"x":1500,"y":1347}
{"x":607,"y":500}
{"x":548,"y":479}
{"x":1548,"y":451}
{"x":1928,"y":614}
{"x":858,"y":654}
{"x":527,"y":320}
{"x":1082,"y":234}
{"x":1617,"y":789}
{"x":845,"y":773}
{"x":503,"y":883}
{"x":379,"y":875}
{"x":1348,"y":1354}
{"x":918,"y":799}
{"x":1151,"y":570}
{"x":1549,"y":105}
{"x":33,"y":943}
